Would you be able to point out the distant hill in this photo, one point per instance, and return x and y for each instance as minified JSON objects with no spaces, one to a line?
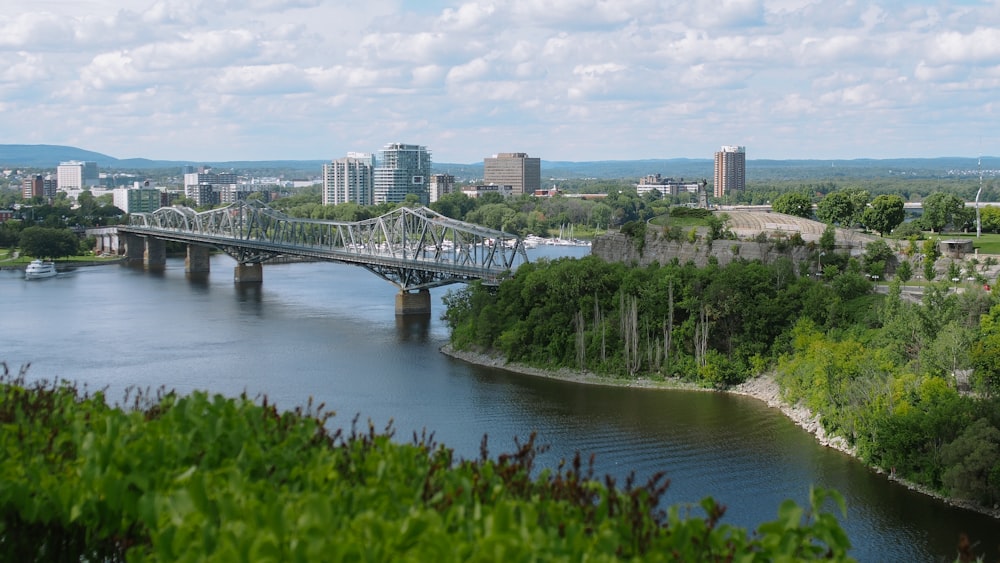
{"x":49,"y":156}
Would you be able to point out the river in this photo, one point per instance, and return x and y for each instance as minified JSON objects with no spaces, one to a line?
{"x":328,"y":332}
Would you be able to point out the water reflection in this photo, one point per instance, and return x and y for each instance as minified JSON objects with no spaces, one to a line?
{"x":198,"y":279}
{"x":413,"y":328}
{"x":249,"y":292}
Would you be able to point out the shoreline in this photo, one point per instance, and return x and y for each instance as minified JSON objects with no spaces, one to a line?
{"x":68,"y":265}
{"x":762,"y":387}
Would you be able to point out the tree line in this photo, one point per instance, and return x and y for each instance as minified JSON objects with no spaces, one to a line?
{"x":913,"y":387}
{"x":854,"y":207}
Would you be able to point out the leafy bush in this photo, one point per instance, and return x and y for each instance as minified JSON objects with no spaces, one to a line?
{"x":694,"y":212}
{"x":206,"y":478}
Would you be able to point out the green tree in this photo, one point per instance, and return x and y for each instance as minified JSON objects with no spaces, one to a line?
{"x":859,"y":202}
{"x":600,"y":215}
{"x":949,"y":351}
{"x":971,"y":461}
{"x":45,"y":242}
{"x":793,"y":203}
{"x":954,"y":272}
{"x":492,"y":215}
{"x":941,"y":210}
{"x":828,"y":240}
{"x":985,"y":354}
{"x":931,"y":253}
{"x":843,"y":207}
{"x":455,"y":205}
{"x":990,"y":219}
{"x":904,"y":272}
{"x":10,"y":233}
{"x":877,"y":256}
{"x":885,"y":214}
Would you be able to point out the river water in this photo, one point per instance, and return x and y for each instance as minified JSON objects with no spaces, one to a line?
{"x":328,"y":332}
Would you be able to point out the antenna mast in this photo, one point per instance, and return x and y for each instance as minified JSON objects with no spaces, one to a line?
{"x":979,"y":224}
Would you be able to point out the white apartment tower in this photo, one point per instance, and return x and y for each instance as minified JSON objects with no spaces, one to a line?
{"x":350,"y":179}
{"x":730,"y":170}
{"x":401,"y":170}
{"x":76,"y":175}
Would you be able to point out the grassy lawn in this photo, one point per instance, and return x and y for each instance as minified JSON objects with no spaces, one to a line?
{"x":682,"y":221}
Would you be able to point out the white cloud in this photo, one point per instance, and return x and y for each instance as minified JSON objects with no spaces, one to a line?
{"x":35,"y":30}
{"x":981,"y":45}
{"x":942,"y":73}
{"x":470,"y":16}
{"x":835,"y":48}
{"x":727,"y":13}
{"x":22,"y":67}
{"x":472,"y":70}
{"x":478,"y":76}
{"x":260,"y":80}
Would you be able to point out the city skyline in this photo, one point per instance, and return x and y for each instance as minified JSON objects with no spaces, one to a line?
{"x":571,"y":80}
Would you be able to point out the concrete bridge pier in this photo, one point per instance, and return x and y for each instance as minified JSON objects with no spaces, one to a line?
{"x":196,"y":260}
{"x":106,"y":239}
{"x":413,"y":303}
{"x":248,"y":273}
{"x":135,"y":248}
{"x":155,"y":255}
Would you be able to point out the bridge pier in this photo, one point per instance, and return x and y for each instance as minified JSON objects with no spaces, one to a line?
{"x":155,"y":255}
{"x":248,"y":273}
{"x":135,"y":247}
{"x":196,"y":260}
{"x":413,"y":303}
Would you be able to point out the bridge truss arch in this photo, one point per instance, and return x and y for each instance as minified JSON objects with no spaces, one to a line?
{"x":413,"y":248}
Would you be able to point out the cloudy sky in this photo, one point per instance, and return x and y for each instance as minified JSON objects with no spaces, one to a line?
{"x":210,"y":80}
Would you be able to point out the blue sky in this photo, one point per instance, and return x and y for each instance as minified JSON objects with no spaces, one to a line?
{"x":209,"y":80}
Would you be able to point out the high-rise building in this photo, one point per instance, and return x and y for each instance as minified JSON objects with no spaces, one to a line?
{"x":440,"y":184}
{"x":350,"y":179}
{"x":142,"y":198}
{"x":77,"y":175}
{"x":401,"y":170}
{"x":205,"y":188}
{"x":33,"y":186}
{"x":730,"y":170}
{"x":515,"y":169}
{"x":50,"y":185}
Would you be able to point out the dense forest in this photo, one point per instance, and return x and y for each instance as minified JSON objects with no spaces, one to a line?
{"x":889,"y":375}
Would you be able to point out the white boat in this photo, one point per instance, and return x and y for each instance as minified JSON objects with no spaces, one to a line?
{"x":38,"y":269}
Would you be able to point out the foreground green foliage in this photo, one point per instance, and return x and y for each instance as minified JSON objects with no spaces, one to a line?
{"x":203,"y":478}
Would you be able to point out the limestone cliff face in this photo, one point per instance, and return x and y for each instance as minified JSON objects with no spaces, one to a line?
{"x":617,"y":247}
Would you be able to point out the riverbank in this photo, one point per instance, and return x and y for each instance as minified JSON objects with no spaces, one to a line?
{"x":763,"y":388}
{"x":565,"y":374}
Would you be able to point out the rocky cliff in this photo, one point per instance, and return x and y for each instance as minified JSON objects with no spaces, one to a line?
{"x":618,"y":247}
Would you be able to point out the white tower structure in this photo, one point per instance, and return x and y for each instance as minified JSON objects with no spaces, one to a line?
{"x":349,"y":179}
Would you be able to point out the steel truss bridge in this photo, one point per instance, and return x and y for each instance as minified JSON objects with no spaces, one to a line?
{"x":413,"y":248}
